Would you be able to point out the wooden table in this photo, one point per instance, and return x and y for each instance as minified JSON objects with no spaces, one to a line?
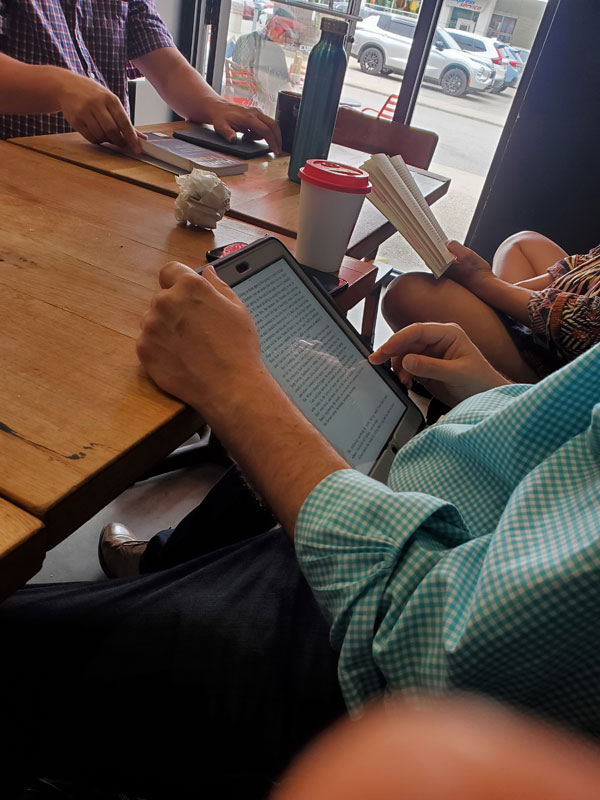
{"x":262,"y":196}
{"x":22,"y":547}
{"x":79,"y":257}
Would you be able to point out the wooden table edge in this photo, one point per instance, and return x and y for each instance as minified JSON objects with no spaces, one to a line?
{"x":24,"y":555}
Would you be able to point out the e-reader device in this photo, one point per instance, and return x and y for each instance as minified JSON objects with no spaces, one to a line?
{"x":319,"y":359}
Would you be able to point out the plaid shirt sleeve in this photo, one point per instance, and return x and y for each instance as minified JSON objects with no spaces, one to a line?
{"x":478,"y":568}
{"x":145,"y":29}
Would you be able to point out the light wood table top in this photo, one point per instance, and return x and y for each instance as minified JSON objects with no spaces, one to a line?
{"x":261,"y":196}
{"x":22,"y":547}
{"x":79,"y":258}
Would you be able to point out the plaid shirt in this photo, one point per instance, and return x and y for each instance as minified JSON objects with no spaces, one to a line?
{"x":97,"y":38}
{"x":479,"y":567}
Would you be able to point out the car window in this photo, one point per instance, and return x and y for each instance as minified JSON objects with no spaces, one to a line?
{"x":447,"y":41}
{"x":471,"y":45}
{"x":384,"y":23}
{"x":402,"y":28}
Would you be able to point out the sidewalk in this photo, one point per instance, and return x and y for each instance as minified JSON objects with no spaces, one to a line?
{"x":373,"y":90}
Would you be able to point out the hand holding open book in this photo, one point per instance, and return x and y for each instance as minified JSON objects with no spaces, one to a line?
{"x":398,"y":197}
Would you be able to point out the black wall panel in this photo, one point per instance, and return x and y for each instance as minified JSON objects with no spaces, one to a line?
{"x":545,"y":175}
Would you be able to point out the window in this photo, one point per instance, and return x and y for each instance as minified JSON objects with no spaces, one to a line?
{"x":402,"y":28}
{"x":466,"y":43}
{"x":501,"y":27}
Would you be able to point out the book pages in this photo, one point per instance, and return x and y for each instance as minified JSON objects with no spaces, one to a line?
{"x":404,"y":205}
{"x":405,"y":174}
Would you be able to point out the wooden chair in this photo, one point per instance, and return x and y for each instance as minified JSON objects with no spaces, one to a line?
{"x":360,"y":131}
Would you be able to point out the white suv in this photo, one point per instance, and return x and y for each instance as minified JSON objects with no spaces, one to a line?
{"x":483,"y":47}
{"x":382,"y":43}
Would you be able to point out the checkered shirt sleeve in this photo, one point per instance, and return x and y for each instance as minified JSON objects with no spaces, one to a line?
{"x":478,"y":568}
{"x":145,"y":29}
{"x":96,"y":39}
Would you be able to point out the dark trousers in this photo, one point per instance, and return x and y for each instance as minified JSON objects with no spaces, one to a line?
{"x":202,"y":679}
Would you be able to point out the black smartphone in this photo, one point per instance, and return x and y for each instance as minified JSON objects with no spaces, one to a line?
{"x":205,"y":137}
{"x":328,"y":281}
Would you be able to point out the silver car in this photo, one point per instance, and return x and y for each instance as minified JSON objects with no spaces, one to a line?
{"x":382,"y":43}
{"x":483,"y":47}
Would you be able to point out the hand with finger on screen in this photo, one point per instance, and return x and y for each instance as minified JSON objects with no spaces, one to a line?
{"x":442,"y":357}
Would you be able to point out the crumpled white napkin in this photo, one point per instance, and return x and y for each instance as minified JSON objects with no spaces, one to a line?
{"x":203,"y":199}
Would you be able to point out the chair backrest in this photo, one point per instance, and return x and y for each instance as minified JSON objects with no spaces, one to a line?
{"x":241,"y":86}
{"x":376,"y":135}
{"x":388,"y":108}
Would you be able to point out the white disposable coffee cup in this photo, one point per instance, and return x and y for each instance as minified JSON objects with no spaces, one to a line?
{"x":331,"y":196}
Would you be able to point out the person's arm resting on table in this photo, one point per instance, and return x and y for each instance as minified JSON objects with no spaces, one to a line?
{"x":87,"y":106}
{"x":190,"y":96}
{"x":199,"y":343}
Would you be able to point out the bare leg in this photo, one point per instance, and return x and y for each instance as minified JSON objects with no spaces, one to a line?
{"x":525,"y":255}
{"x":417,"y":297}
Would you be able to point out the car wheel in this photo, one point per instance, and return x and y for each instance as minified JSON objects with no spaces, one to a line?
{"x":454,"y":82}
{"x":499,"y":89}
{"x":371,"y":60}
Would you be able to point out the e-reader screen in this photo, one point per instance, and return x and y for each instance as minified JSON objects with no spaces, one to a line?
{"x":319,"y":367}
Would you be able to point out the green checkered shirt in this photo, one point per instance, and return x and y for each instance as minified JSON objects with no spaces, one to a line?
{"x":478,"y":568}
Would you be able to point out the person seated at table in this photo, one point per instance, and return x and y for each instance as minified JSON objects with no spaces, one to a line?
{"x":263,"y":54}
{"x":534,"y":310}
{"x":65,"y":67}
{"x":476,"y":568}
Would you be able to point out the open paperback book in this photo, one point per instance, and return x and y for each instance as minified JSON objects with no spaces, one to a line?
{"x":398,"y":197}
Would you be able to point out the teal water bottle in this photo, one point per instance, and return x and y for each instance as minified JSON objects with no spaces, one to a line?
{"x":321,"y":96}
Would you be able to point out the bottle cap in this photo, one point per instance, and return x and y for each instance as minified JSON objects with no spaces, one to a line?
{"x":334,"y":176}
{"x":331,"y":25}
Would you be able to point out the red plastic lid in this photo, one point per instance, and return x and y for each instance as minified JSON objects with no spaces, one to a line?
{"x":338,"y":177}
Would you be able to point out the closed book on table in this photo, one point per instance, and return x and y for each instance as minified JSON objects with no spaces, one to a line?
{"x":189,"y":156}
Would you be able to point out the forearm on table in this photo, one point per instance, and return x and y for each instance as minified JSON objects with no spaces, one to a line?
{"x":283,"y":456}
{"x":28,"y":88}
{"x":178,"y":83}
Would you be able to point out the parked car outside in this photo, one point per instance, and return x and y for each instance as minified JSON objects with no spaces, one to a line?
{"x":522,"y":52}
{"x":514,"y":65}
{"x":382,"y":43}
{"x":482,"y":47}
{"x":515,"y":60}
